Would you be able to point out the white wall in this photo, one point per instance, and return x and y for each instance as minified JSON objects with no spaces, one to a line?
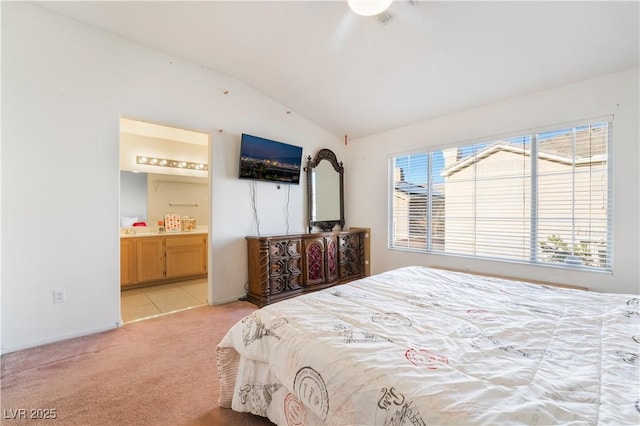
{"x":367,"y":179}
{"x":186,"y":196}
{"x":64,"y":88}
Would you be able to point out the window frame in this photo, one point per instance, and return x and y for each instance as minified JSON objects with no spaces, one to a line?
{"x":534,"y":257}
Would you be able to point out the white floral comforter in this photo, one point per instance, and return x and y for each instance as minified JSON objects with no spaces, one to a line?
{"x":418,"y":346}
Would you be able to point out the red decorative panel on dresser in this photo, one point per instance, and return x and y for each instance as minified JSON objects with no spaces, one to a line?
{"x":314,"y":252}
{"x":332,"y":258}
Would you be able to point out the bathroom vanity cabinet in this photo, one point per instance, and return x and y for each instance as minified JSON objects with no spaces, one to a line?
{"x":127,"y":262}
{"x":185,"y":256}
{"x":147,"y":259}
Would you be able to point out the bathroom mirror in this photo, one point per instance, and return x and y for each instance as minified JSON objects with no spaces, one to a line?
{"x":325,"y":191}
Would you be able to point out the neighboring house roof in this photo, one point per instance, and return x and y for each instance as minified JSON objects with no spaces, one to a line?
{"x":415,"y":189}
{"x":558,"y":149}
{"x":562,"y":145}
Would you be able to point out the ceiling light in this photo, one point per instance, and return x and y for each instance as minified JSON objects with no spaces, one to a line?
{"x":166,"y":162}
{"x":369,"y":7}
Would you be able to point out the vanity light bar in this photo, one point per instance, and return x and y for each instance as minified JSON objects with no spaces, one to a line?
{"x":166,"y":162}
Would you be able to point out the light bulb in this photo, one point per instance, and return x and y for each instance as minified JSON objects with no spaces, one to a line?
{"x":369,"y":7}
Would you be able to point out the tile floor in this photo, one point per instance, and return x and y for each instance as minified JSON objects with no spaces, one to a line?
{"x":145,"y":302}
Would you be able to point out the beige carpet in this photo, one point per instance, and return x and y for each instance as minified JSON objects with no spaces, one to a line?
{"x":161,"y":371}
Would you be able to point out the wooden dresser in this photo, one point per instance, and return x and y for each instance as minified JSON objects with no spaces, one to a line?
{"x":283,"y":266}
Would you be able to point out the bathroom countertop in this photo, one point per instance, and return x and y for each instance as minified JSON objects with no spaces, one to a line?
{"x":149,"y":233}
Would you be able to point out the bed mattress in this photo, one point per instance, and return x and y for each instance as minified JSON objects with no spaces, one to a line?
{"x":418,"y":346}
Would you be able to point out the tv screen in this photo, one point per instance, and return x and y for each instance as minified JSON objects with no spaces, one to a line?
{"x":264,"y":159}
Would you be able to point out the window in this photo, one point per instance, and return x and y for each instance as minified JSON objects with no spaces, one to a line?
{"x":541,"y":197}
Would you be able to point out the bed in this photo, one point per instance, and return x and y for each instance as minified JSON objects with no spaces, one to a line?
{"x":421,"y":346}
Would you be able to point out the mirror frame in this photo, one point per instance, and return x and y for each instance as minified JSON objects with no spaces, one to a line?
{"x":328,"y":155}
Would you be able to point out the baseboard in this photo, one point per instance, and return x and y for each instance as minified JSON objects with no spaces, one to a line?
{"x":227,"y":300}
{"x":40,"y":342}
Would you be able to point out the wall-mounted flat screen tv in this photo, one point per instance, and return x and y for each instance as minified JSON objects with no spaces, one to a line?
{"x":264,"y":159}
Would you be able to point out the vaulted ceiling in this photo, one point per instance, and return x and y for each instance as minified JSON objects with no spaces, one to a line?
{"x":359,"y":76}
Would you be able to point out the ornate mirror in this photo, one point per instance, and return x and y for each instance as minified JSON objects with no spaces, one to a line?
{"x":325,"y":190}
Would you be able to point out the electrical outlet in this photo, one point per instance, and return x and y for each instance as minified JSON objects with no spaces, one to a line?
{"x":59,"y":296}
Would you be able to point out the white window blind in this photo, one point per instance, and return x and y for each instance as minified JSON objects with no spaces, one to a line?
{"x":541,"y":197}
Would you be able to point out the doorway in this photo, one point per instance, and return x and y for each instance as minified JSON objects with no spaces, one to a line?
{"x":164,"y":219}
